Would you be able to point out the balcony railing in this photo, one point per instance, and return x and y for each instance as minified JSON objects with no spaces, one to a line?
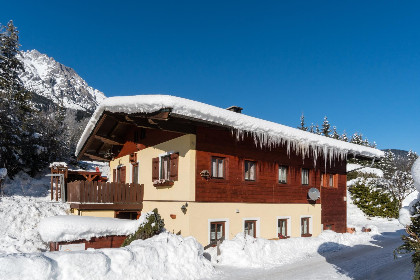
{"x":84,"y":192}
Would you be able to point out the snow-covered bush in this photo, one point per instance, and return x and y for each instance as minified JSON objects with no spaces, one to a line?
{"x":371,"y":200}
{"x":152,"y":226}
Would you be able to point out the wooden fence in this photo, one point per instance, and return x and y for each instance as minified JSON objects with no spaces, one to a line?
{"x":103,"y":192}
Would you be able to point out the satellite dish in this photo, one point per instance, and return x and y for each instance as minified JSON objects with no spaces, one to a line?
{"x":313,"y":194}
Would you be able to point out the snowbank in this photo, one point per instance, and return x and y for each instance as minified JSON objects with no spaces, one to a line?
{"x":69,"y":228}
{"x":58,"y":164}
{"x":406,"y":212}
{"x":246,"y":251}
{"x":265,"y":132}
{"x":165,"y":256}
{"x":26,"y":202}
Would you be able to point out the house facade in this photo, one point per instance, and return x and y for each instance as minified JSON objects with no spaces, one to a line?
{"x":214,"y":173}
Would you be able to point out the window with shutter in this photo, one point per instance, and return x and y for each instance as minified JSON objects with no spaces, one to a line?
{"x":174,"y":166}
{"x":155,"y":169}
{"x":122,"y":174}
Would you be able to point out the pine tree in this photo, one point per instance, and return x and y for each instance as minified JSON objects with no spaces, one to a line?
{"x":344,"y":137}
{"x":335,"y":135}
{"x":15,"y":108}
{"x":317,"y":131}
{"x":311,"y":128}
{"x":302,"y":123}
{"x":326,"y":127}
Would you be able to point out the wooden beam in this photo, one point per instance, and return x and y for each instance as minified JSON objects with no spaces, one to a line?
{"x":96,"y":157}
{"x":110,"y":206}
{"x":90,"y":138}
{"x":109,"y":140}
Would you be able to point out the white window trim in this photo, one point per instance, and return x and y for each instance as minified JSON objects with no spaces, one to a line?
{"x":310,"y":223}
{"x":289,"y":224}
{"x":160,"y":161}
{"x":226,"y":220}
{"x":257,"y":225}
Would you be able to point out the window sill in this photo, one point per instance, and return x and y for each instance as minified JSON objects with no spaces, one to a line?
{"x":283,"y":237}
{"x":306,"y":235}
{"x":163,"y":183}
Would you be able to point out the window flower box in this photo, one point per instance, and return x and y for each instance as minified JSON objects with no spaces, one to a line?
{"x":163,"y":183}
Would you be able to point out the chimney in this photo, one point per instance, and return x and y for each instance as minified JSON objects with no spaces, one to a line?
{"x":235,"y":109}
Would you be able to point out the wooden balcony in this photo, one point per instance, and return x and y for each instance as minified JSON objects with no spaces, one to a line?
{"x":84,"y":195}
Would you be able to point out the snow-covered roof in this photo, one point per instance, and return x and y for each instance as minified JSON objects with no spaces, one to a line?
{"x":265,"y":133}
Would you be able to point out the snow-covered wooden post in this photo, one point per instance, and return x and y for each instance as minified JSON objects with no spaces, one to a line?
{"x":3,"y":174}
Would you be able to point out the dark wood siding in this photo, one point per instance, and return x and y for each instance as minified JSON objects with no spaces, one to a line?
{"x":265,"y":189}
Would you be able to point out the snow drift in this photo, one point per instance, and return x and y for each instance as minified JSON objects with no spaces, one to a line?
{"x":407,"y":211}
{"x":164,"y":256}
{"x":246,"y":251}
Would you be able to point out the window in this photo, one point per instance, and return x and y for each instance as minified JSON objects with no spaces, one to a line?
{"x":305,"y":176}
{"x":250,"y":228}
{"x":250,"y":170}
{"x":165,"y":167}
{"x":217,"y":167}
{"x":282,"y":174}
{"x":331,"y":180}
{"x":329,"y":227}
{"x":304,"y":226}
{"x":282,"y":228}
{"x":217,"y":231}
{"x":136,"y":173}
{"x":119,"y":174}
{"x":322,"y":179}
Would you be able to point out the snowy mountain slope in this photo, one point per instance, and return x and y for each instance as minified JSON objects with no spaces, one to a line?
{"x":54,"y":81}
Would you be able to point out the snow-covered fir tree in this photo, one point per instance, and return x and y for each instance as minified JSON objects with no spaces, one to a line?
{"x":335,"y":134}
{"x":326,"y":127}
{"x":302,"y":123}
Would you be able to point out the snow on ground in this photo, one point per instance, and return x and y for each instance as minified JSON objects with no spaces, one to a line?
{"x":25,"y":203}
{"x":70,"y":228}
{"x":165,"y":256}
{"x":367,"y":170}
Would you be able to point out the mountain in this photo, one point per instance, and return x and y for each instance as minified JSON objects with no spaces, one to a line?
{"x":53,"y":81}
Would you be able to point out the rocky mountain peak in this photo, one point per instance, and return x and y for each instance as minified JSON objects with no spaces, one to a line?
{"x":46,"y":77}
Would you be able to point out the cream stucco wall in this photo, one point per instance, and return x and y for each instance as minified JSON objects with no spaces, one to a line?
{"x":183,"y":188}
{"x":196,"y":221}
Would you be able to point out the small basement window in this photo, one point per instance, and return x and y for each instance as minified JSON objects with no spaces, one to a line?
{"x":250,"y":228}
{"x":282,"y":228}
{"x":217,"y":231}
{"x":304,"y":226}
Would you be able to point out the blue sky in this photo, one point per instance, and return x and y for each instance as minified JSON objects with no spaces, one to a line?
{"x":357,"y":62}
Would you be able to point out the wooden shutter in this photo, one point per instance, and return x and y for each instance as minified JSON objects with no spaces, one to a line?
{"x":155,"y":169}
{"x":174,"y":167}
{"x":122,"y":174}
{"x":114,"y":175}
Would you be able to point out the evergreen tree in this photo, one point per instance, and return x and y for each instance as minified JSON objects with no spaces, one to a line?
{"x":311,"y":128}
{"x":317,"y":131}
{"x":344,"y":137}
{"x":302,"y":123}
{"x":15,"y":108}
{"x":335,"y":135}
{"x":326,"y":130}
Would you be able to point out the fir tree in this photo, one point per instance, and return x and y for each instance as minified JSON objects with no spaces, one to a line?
{"x":335,"y":135}
{"x":302,"y":123}
{"x":317,"y":131}
{"x":326,"y":127}
{"x":344,"y":137}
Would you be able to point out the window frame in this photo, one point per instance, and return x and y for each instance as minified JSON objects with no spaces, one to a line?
{"x":215,"y":234}
{"x":301,"y":176}
{"x":285,"y":220}
{"x":161,"y":167}
{"x":135,"y":174}
{"x":217,"y":159}
{"x":331,"y":180}
{"x":247,"y":162}
{"x":286,"y":174}
{"x":308,"y":227}
{"x":254,"y":222}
